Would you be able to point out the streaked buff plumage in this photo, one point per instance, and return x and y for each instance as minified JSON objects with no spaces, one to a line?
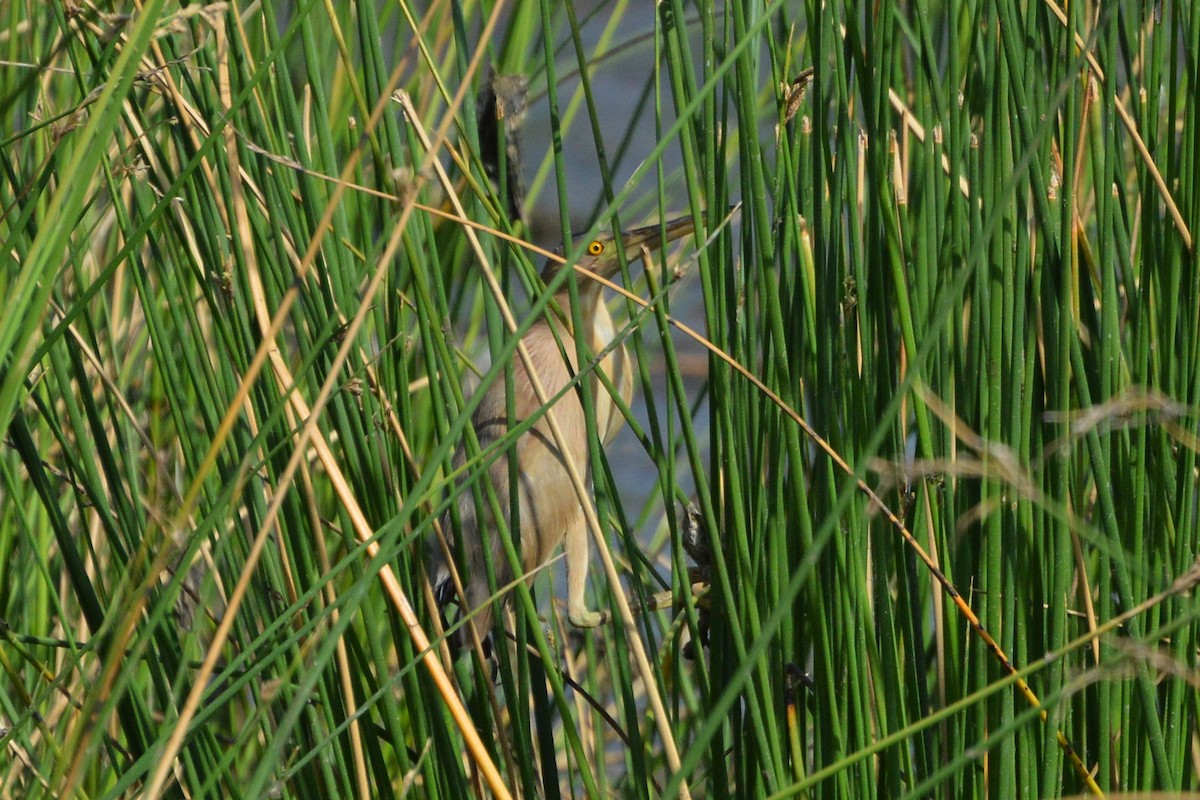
{"x":550,"y":511}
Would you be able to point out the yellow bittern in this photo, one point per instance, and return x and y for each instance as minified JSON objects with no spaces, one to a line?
{"x":550,"y":512}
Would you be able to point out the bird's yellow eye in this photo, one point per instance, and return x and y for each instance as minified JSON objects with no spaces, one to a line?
{"x":596,"y":248}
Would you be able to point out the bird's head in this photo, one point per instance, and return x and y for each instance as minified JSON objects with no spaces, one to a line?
{"x":602,"y":254}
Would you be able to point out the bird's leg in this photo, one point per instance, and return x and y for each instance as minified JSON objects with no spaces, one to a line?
{"x":576,"y":546}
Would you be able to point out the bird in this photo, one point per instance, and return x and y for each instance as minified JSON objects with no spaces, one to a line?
{"x":550,"y":512}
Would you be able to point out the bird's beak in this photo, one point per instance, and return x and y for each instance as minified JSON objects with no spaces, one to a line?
{"x":654,"y":236}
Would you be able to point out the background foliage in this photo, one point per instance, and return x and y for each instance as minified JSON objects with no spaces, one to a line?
{"x":243,"y":293}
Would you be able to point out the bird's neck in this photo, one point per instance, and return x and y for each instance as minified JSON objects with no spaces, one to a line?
{"x":591,"y":307}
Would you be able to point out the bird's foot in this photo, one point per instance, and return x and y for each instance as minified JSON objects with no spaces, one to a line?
{"x":586,"y":618}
